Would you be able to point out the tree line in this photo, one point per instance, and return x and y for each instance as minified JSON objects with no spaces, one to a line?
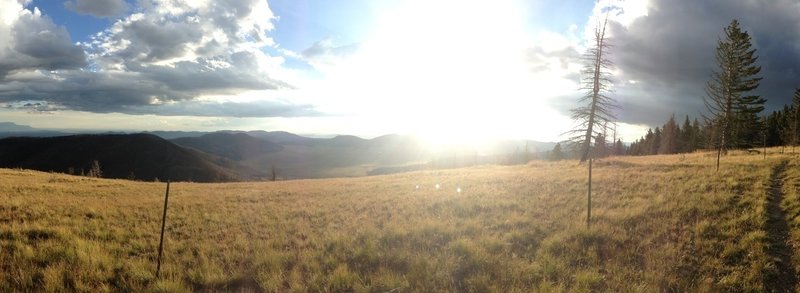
{"x":780,"y":128}
{"x":733,"y":118}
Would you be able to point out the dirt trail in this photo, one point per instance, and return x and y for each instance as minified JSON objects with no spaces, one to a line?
{"x":779,"y":250}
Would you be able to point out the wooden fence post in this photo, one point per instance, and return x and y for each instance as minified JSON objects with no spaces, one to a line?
{"x":163,"y":223}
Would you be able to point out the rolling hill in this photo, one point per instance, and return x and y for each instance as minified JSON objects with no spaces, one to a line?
{"x":295,"y":156}
{"x":234,"y":146}
{"x":139,"y":156}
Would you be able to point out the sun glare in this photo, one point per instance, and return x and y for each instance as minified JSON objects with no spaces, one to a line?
{"x":452,"y":72}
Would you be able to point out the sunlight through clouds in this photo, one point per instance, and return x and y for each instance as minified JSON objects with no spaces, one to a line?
{"x":451,"y":71}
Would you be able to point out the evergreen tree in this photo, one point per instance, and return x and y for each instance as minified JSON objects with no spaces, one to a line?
{"x":633,"y":149}
{"x":556,"y":154}
{"x":600,"y":146}
{"x":669,"y":137}
{"x":699,"y":135}
{"x":785,"y":125}
{"x":647,"y":143}
{"x":795,"y":120}
{"x":656,"y":143}
{"x":774,"y":129}
{"x":747,"y":107}
{"x":686,"y":137}
{"x":734,"y":114}
{"x":619,"y":148}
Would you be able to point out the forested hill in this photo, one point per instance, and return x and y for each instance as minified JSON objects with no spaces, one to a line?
{"x":130,"y":156}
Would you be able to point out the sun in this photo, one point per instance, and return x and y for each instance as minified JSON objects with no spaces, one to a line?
{"x":452,"y":72}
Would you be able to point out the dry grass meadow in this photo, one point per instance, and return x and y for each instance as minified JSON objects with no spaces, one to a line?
{"x":661,"y":223}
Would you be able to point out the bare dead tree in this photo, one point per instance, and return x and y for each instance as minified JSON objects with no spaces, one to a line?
{"x":595,"y":111}
{"x":95,"y":171}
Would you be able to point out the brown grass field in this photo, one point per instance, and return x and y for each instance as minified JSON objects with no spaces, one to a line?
{"x":661,"y":223}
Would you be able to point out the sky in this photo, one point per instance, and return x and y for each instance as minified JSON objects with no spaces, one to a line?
{"x":448,"y":70}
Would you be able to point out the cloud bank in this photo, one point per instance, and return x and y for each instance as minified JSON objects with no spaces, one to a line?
{"x":166,"y":53}
{"x":665,"y":57}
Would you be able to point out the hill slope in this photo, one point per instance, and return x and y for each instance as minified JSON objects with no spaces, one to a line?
{"x":297,"y":157}
{"x":662,"y":223}
{"x":139,"y":156}
{"x":234,"y":146}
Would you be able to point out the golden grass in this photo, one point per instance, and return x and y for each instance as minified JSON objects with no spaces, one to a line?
{"x":661,"y":223}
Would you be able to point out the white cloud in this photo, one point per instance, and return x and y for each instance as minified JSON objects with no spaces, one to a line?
{"x":166,"y":32}
{"x":30,"y":41}
{"x":324,"y":55}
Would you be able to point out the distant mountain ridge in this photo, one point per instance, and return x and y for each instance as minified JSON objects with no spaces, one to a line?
{"x":246,"y":155}
{"x":13,"y":127}
{"x":139,"y":156}
{"x":294,"y":156}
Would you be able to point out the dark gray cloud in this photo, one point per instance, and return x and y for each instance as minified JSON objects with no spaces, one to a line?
{"x":228,"y":109}
{"x":34,"y":107}
{"x":202,"y":75}
{"x":98,"y":8}
{"x":151,"y":40}
{"x":670,"y":54}
{"x":158,"y":91}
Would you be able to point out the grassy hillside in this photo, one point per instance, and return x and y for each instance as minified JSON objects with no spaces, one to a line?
{"x":662,"y":223}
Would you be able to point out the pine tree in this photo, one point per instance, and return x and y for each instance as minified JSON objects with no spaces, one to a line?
{"x":656,"y":144}
{"x":669,"y":137}
{"x":556,"y":154}
{"x":785,"y":126}
{"x":698,"y":142}
{"x":647,"y":143}
{"x":633,"y":149}
{"x":795,"y":120}
{"x":614,"y":134}
{"x":774,"y":129}
{"x":600,"y":146}
{"x":687,"y":136}
{"x":734,"y":114}
{"x":619,"y":148}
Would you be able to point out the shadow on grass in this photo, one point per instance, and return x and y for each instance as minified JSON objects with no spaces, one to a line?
{"x":781,"y":278}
